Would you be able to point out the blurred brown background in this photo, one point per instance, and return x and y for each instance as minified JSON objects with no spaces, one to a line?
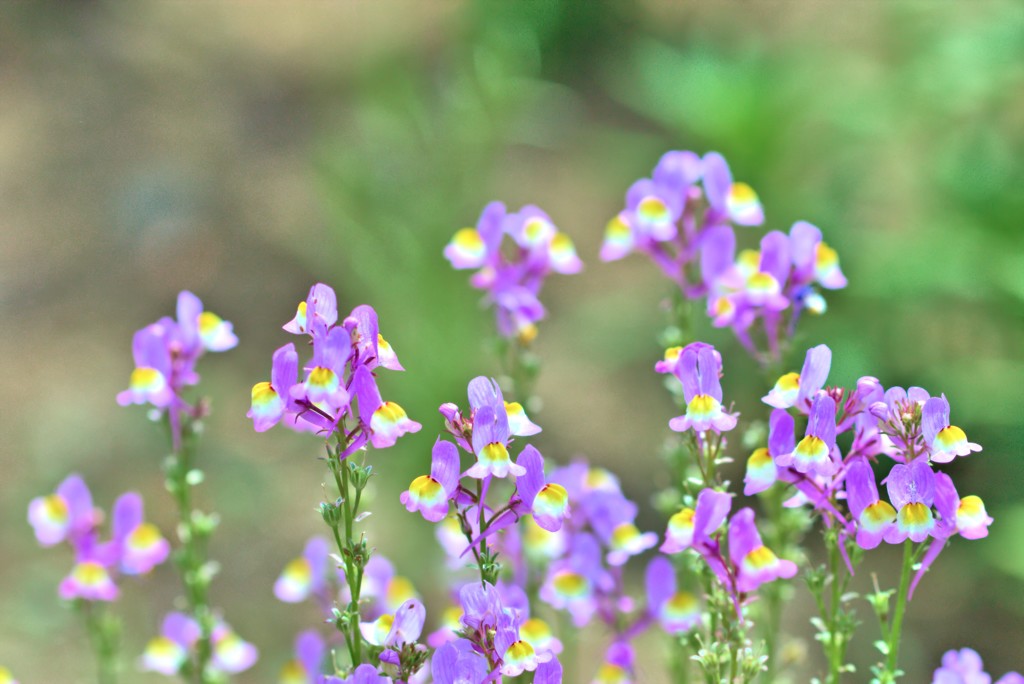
{"x":246,"y":150}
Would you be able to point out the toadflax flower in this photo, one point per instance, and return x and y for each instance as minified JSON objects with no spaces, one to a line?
{"x":429,"y":494}
{"x":945,"y":441}
{"x":698,"y":371}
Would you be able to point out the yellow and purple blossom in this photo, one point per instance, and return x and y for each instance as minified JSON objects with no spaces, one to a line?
{"x":797,"y":389}
{"x":815,"y":452}
{"x":490,"y":444}
{"x":429,"y":494}
{"x":89,"y":580}
{"x":150,"y":381}
{"x":231,"y":653}
{"x":271,"y":400}
{"x":945,"y":441}
{"x":754,"y":562}
{"x":698,"y":370}
{"x":761,"y":472}
{"x":67,"y":514}
{"x":813,"y":260}
{"x":305,"y":667}
{"x":547,"y":501}
{"x":304,"y":576}
{"x":677,"y":611}
{"x":912,"y":491}
{"x":874,"y":518}
{"x":538,"y":634}
{"x":137,"y":546}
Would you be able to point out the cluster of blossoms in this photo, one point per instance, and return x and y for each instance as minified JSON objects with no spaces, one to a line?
{"x":391,"y":611}
{"x":683,"y":217}
{"x":179,"y":641}
{"x":909,"y":427}
{"x":67,"y":515}
{"x":748,"y":562}
{"x":166,"y":353}
{"x":965,"y":667}
{"x":493,"y":617}
{"x":513,"y":276}
{"x":338,"y":383}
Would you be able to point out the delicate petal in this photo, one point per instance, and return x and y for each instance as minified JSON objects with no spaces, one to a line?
{"x":816,"y":367}
{"x":761,"y":472}
{"x":408,"y":624}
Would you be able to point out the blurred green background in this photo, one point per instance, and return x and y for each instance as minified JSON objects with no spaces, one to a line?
{"x":246,"y":150}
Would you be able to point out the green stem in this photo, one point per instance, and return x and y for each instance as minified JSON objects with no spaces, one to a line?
{"x":835,"y":650}
{"x":896,"y":626}
{"x":353,"y":575}
{"x":191,"y":557}
{"x":104,"y":635}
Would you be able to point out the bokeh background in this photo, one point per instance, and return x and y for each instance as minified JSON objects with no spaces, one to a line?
{"x":246,"y":150}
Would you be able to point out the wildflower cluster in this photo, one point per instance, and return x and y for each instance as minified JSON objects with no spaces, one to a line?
{"x":491,"y":626}
{"x":338,"y":385}
{"x":165,"y":355}
{"x":683,"y":219}
{"x":336,"y":397}
{"x":67,"y":515}
{"x":908,"y":429}
{"x":513,"y":276}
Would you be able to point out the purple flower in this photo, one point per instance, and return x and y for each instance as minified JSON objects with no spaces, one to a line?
{"x":755,"y":563}
{"x":66,"y":514}
{"x":814,"y":453}
{"x":873,"y":516}
{"x":547,"y":501}
{"x":490,"y":444}
{"x":324,"y":385}
{"x":137,"y":546}
{"x":305,"y":667}
{"x":89,"y":581}
{"x":761,"y":472}
{"x":306,"y":575}
{"x":698,"y":371}
{"x":912,"y":492}
{"x":366,"y":674}
{"x":271,"y":400}
{"x":166,"y":653}
{"x":571,"y":583}
{"x":151,"y":380}
{"x":794,"y":389}
{"x":813,"y":260}
{"x":677,"y":611}
{"x":429,"y":494}
{"x":693,"y":527}
{"x":387,"y":420}
{"x":764,"y":286}
{"x":945,"y":441}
